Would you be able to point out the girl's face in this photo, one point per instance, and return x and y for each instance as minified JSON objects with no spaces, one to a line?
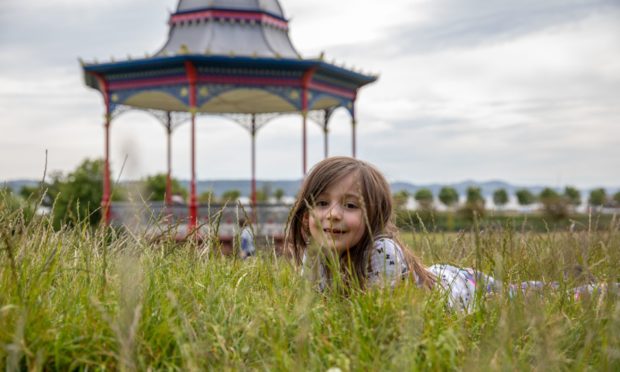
{"x":336,"y":221}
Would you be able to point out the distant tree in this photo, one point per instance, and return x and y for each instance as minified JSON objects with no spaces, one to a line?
{"x":500,"y":198}
{"x":598,"y":197}
{"x":261,"y":196}
{"x":525,"y":197}
{"x":448,"y":196}
{"x":278,"y":194}
{"x":78,"y":195}
{"x":207,"y":197}
{"x":29,"y":192}
{"x":474,"y":196}
{"x":424,"y":197}
{"x":572,"y":195}
{"x":230,"y":196}
{"x":616,"y":198}
{"x":155,"y":187}
{"x":474,"y":204}
{"x":400,"y":199}
{"x":554,"y":204}
{"x":264,"y":193}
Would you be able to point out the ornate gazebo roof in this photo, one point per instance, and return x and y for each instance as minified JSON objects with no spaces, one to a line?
{"x":243,"y":61}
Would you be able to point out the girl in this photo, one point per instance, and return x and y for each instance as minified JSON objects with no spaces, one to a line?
{"x":343,"y":216}
{"x":344,"y":212}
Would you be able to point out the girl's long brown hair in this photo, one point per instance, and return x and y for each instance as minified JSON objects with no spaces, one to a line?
{"x":377,"y":209}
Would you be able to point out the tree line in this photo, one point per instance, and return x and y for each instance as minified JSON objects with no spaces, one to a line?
{"x":553,"y":203}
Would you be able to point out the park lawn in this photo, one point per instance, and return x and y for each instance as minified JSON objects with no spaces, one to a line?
{"x":80,"y":298}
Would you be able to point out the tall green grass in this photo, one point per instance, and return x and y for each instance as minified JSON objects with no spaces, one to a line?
{"x":80,"y":298}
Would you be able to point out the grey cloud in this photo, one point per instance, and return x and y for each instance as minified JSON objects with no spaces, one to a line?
{"x":472,"y":23}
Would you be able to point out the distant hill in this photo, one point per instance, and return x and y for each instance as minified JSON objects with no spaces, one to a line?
{"x":17,"y":185}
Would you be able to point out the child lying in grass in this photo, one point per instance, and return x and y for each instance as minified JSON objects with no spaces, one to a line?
{"x":343,"y":216}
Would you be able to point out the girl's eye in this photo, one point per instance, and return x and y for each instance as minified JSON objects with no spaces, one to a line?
{"x":350,"y":205}
{"x":322,"y":203}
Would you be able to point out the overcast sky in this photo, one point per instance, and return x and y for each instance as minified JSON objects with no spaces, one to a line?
{"x":524,"y":91}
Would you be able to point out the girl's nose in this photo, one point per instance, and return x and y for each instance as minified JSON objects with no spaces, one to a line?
{"x":335,"y":212}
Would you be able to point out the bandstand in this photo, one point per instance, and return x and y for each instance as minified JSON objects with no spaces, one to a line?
{"x":231,"y":58}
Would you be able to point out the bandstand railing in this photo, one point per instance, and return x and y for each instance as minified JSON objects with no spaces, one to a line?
{"x":156,"y":218}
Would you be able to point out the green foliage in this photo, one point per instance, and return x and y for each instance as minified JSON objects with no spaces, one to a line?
{"x":77,"y":196}
{"x":500,"y":197}
{"x":525,"y":197}
{"x":95,"y":299}
{"x":278,"y":194}
{"x":155,"y":187}
{"x":474,"y":195}
{"x":598,"y":197}
{"x":261,"y":196}
{"x":264,"y":193}
{"x":424,"y":197}
{"x":616,"y":198}
{"x":207,"y":197}
{"x":400,"y":199}
{"x":230,"y":196}
{"x":448,"y":221}
{"x":8,"y":201}
{"x":572,"y":195}
{"x":448,"y":196}
{"x":474,"y":204}
{"x":554,"y":205}
{"x":29,"y":192}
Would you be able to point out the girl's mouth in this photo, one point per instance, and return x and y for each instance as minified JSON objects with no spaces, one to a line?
{"x":334,"y":231}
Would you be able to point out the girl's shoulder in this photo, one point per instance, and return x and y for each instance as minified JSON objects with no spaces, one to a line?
{"x":387,"y":249}
{"x":387,"y":261}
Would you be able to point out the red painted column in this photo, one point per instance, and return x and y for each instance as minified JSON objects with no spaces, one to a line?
{"x":192,"y":77}
{"x":169,"y":160}
{"x":107,"y":188}
{"x":253,"y":134}
{"x":193,"y":203}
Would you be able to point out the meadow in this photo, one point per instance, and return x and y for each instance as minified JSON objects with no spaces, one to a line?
{"x":80,"y":298}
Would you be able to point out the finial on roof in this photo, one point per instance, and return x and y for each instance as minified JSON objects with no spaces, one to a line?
{"x":322,"y":55}
{"x":183,"y":49}
{"x":208,"y":51}
{"x":81,"y":61}
{"x":111,"y":58}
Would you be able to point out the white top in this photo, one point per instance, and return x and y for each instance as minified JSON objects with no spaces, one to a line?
{"x":387,"y":265}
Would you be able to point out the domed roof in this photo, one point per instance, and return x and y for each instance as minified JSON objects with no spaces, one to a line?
{"x":229,"y":27}
{"x":269,"y":6}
